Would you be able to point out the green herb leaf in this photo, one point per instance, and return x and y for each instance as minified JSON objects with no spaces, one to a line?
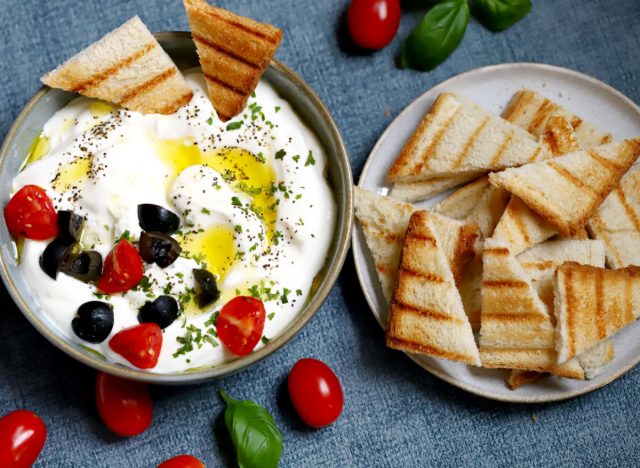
{"x":280,"y":154}
{"x":436,"y":37}
{"x":235,"y":125}
{"x":310,"y":161}
{"x":254,"y":433}
{"x":499,"y":15}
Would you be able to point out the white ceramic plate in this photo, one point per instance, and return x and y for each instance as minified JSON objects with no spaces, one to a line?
{"x":492,"y":87}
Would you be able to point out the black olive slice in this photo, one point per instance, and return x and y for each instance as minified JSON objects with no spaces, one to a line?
{"x":53,"y":256}
{"x":156,"y":218}
{"x":163,"y":311}
{"x":93,"y":321}
{"x":159,"y":248}
{"x":70,"y":226}
{"x":207,"y":291}
{"x":84,"y":266}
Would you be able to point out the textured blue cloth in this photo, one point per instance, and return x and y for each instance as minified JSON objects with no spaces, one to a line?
{"x":395,"y":413}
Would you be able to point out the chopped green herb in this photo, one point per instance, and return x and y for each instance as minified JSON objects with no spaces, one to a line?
{"x":280,"y":154}
{"x":205,"y":211}
{"x":278,"y":109}
{"x":235,"y":125}
{"x":271,"y":315}
{"x":265,"y":340}
{"x":310,"y":161}
{"x":296,"y":158}
{"x":237,"y":228}
{"x":299,"y":292}
{"x":126,"y":235}
{"x":235,"y":201}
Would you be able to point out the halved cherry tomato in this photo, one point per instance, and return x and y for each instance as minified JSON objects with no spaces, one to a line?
{"x":373,"y":23}
{"x":30,"y":213}
{"x":241,"y":323}
{"x":123,"y":269}
{"x":182,"y":461}
{"x":140,"y":345}
{"x":22,"y":436}
{"x":124,"y":406}
{"x":315,"y":392}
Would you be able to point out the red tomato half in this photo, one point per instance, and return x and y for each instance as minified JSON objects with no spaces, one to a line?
{"x":373,"y":23}
{"x":241,"y":323}
{"x":182,"y":461}
{"x":315,"y":392}
{"x":140,"y":344}
{"x":124,"y":405}
{"x":22,"y":436}
{"x":123,"y":269}
{"x":30,"y":213}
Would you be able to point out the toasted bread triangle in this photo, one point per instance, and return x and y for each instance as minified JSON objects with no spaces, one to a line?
{"x":592,"y":304}
{"x":421,"y":190}
{"x":234,"y":53}
{"x":521,"y":227}
{"x":567,"y":190}
{"x":617,"y":222}
{"x":531,"y":111}
{"x":516,"y":330}
{"x":127,"y":67}
{"x":384,"y":222}
{"x":426,"y":314}
{"x":457,"y":137}
{"x":460,"y":203}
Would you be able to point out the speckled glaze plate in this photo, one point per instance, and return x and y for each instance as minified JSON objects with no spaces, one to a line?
{"x":492,"y":87}
{"x":311,"y":110}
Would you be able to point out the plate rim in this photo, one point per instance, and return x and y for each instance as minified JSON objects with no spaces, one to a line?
{"x":354,"y":240}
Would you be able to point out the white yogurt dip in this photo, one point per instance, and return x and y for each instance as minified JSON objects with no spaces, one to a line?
{"x":255,"y":207}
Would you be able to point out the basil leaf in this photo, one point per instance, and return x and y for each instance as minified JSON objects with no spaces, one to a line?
{"x":499,"y":15}
{"x":254,"y":433}
{"x":437,"y":36}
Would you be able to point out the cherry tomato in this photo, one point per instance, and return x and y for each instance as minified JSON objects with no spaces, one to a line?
{"x":140,"y":345}
{"x":124,"y":405}
{"x":30,"y":213}
{"x":22,"y":436}
{"x":123,"y":269}
{"x":240,"y":324}
{"x":315,"y":392}
{"x":373,"y":23}
{"x":182,"y":461}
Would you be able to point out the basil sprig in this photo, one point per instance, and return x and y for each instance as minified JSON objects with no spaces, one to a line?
{"x":254,"y":433}
{"x":437,"y":36}
{"x":442,"y":28}
{"x":499,"y":15}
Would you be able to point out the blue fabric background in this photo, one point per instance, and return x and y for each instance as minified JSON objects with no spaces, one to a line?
{"x":395,"y":413}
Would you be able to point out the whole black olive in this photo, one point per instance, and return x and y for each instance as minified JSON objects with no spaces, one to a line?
{"x":69,"y":226}
{"x":158,"y":248}
{"x":207,"y":291}
{"x":53,"y":256}
{"x":163,"y":311}
{"x":156,"y":218}
{"x":93,"y":321}
{"x":85,"y":266}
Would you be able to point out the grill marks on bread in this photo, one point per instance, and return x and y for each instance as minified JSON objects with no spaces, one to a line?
{"x":234,"y":52}
{"x":426,"y":314}
{"x":457,"y":137}
{"x":592,"y":304}
{"x":127,"y":67}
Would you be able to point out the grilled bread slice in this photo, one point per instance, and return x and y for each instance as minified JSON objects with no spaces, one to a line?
{"x":591,"y":361}
{"x":470,"y":287}
{"x":541,"y":262}
{"x":592,"y":304}
{"x":457,"y":137}
{"x":415,"y":191}
{"x":127,"y":67}
{"x":617,"y":222}
{"x":384,"y":222}
{"x":520,"y":226}
{"x":489,"y":210}
{"x":234,"y":53}
{"x":516,"y":330}
{"x":426,"y":314}
{"x":531,"y":111}
{"x":460,"y":203}
{"x":568,"y":190}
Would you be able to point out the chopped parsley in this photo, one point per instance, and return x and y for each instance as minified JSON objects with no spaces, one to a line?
{"x":310,"y":161}
{"x":280,"y":154}
{"x":126,"y":235}
{"x":278,"y":109}
{"x":235,"y":125}
{"x":235,"y":201}
{"x":205,"y":211}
